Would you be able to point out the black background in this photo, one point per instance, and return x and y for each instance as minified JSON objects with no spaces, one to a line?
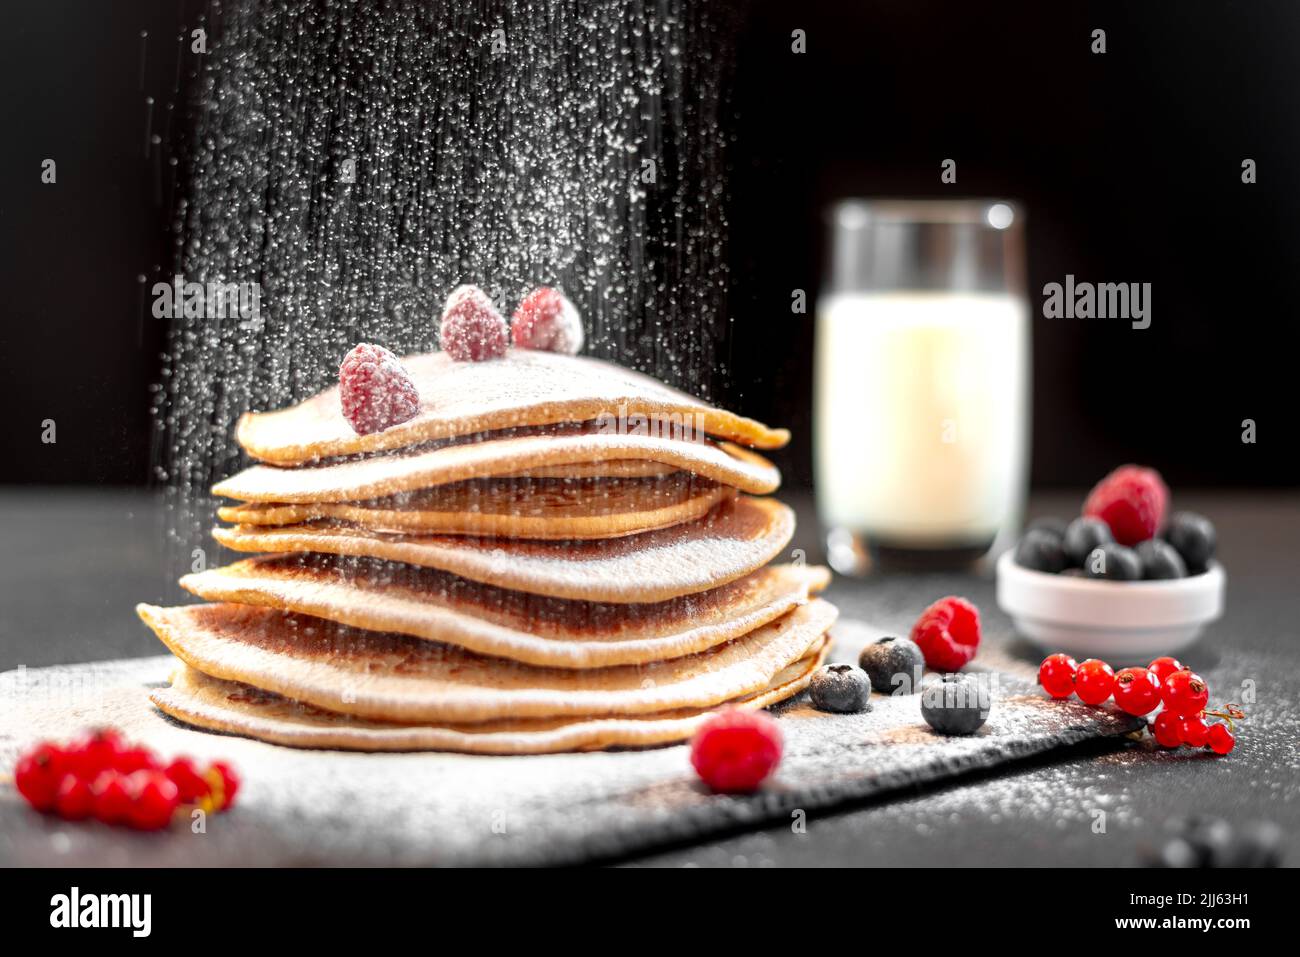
{"x":1128,"y":164}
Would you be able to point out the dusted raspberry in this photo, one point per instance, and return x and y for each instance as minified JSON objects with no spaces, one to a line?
{"x":1132,"y":500}
{"x":735,"y":751}
{"x":546,"y":320}
{"x":948,"y":633}
{"x":472,"y":330}
{"x":374,"y":390}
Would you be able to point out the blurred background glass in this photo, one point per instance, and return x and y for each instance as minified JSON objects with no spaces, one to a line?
{"x":921,"y":381}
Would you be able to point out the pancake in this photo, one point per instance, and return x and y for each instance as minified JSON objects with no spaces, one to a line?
{"x":388,"y":677}
{"x":230,"y":707}
{"x":436,"y":606}
{"x":614,"y":468}
{"x":376,"y":476}
{"x":525,"y":388}
{"x":526,"y":508}
{"x":730,"y":542}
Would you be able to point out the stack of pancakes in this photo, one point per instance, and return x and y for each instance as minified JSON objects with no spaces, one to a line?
{"x":555,"y":554}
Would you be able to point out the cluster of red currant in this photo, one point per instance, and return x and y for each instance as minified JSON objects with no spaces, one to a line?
{"x":1139,"y":691}
{"x":103,"y":776}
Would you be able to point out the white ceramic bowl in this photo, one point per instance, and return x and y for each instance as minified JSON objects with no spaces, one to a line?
{"x":1114,"y":620}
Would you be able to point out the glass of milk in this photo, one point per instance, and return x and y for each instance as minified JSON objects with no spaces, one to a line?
{"x":921,"y":396}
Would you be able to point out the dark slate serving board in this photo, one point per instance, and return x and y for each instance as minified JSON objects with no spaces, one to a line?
{"x":330,"y":807}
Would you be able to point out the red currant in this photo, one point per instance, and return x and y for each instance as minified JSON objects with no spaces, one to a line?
{"x":1162,"y":668}
{"x":155,"y":802}
{"x":1220,"y":739}
{"x":1136,"y":691}
{"x":1196,"y":732}
{"x":191,"y":785}
{"x":74,"y":800}
{"x":224,"y":782}
{"x":1056,"y":675}
{"x":1185,"y":693}
{"x":95,"y":752}
{"x":1094,"y":682}
{"x":1168,"y":729}
{"x":38,"y":775}
{"x":113,"y":797}
{"x":133,"y":759}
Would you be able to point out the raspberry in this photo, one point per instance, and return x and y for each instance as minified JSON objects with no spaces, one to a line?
{"x":472,"y":330}
{"x":1132,"y":500}
{"x":374,"y":390}
{"x":1094,"y":682}
{"x":1056,"y":675}
{"x":546,"y":320}
{"x":735,"y":751}
{"x":1136,"y":691}
{"x":948,"y":633}
{"x":1168,"y":730}
{"x":1220,"y":739}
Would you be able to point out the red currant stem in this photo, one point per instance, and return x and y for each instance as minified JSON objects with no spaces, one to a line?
{"x":1229,"y":712}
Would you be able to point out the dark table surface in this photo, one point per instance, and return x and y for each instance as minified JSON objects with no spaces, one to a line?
{"x":76,"y":561}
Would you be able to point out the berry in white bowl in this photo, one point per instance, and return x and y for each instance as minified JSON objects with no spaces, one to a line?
{"x":1117,"y":620}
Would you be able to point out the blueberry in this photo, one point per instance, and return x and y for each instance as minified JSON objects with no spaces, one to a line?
{"x":1192,"y":536}
{"x":842,"y":689}
{"x":1198,"y":841}
{"x":1159,"y":560}
{"x":1257,"y":844}
{"x":1176,"y":853}
{"x":1050,"y":524}
{"x":1041,"y":551}
{"x":1113,"y":562}
{"x":893,"y":665}
{"x":955,"y":704}
{"x":1205,"y":841}
{"x":1082,"y":536}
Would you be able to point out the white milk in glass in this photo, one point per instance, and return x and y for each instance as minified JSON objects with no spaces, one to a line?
{"x":921,"y":412}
